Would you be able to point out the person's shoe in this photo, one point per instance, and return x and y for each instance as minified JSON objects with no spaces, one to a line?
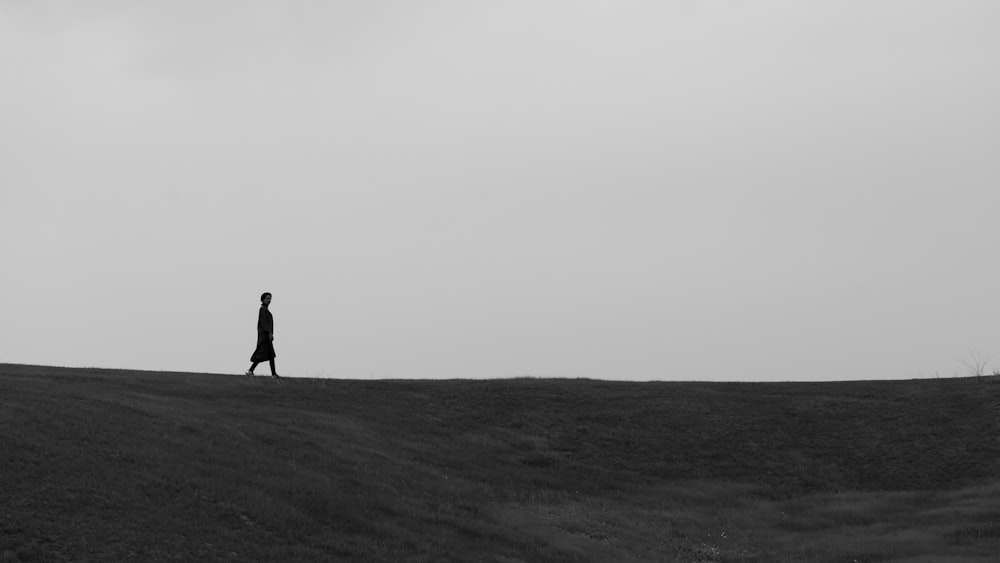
{"x":248,"y":373}
{"x":276,"y":376}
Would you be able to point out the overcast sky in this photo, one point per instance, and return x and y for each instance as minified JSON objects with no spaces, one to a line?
{"x":773,"y":190}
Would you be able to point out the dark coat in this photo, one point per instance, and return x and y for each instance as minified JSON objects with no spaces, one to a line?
{"x":265,"y":328}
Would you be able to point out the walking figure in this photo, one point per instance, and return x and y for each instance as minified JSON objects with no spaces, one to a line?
{"x":265,"y":337}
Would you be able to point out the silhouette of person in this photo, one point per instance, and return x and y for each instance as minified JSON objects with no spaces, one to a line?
{"x":265,"y":337}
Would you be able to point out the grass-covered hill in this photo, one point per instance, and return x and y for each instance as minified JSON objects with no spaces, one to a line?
{"x":109,"y":465}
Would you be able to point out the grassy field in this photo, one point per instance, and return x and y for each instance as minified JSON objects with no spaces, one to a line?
{"x":107,"y":465}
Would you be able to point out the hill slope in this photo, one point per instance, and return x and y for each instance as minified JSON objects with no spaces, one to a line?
{"x":120,"y":465}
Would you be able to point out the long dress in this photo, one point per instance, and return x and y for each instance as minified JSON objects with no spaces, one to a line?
{"x":265,"y":346}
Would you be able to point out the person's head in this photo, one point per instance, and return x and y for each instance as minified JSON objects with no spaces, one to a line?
{"x":265,"y":298}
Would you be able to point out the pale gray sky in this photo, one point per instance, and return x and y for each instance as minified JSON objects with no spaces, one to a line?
{"x":793,"y":190}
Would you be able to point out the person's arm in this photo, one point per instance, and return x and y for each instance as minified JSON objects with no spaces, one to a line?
{"x":265,"y":323}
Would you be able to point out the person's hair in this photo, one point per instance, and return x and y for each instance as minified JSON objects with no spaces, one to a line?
{"x":263,"y":295}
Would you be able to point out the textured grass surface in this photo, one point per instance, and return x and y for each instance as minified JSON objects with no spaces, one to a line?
{"x":120,"y":465}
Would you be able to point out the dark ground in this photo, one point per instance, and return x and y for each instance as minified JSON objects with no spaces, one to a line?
{"x":109,"y":465}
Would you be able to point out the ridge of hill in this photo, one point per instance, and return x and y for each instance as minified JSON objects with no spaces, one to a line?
{"x":147,"y":466}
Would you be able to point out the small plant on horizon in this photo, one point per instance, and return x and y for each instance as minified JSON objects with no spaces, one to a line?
{"x":976,"y":363}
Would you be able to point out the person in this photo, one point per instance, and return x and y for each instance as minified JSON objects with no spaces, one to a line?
{"x":265,"y":337}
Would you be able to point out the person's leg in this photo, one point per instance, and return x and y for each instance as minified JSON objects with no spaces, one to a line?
{"x":253,"y":366}
{"x":273,"y":371}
